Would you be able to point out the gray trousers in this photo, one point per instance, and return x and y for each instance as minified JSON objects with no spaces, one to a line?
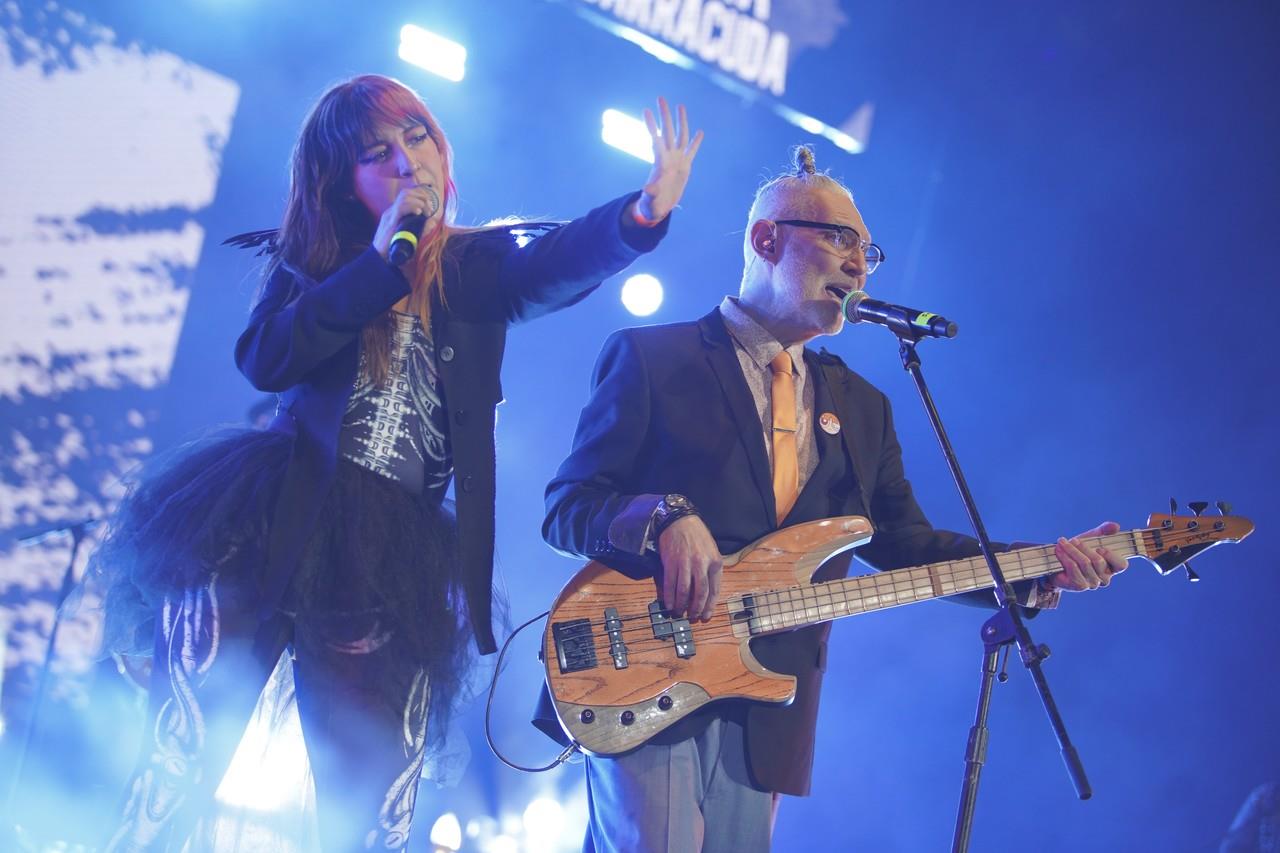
{"x":694,"y":796}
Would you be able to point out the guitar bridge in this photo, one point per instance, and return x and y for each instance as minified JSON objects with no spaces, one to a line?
{"x":677,"y":630}
{"x":575,"y":647}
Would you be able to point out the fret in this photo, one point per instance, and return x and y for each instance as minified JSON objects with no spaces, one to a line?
{"x":1139,"y":547}
{"x":796,"y":606}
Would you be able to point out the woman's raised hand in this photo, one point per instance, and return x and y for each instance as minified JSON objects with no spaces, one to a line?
{"x":673,"y":153}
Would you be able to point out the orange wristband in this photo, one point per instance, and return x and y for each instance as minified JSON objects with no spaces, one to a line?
{"x":642,"y":220}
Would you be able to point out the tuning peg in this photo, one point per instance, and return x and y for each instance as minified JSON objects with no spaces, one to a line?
{"x":1198,"y":506}
{"x":1173,"y":506}
{"x":1191,"y":575}
{"x":1224,"y":507}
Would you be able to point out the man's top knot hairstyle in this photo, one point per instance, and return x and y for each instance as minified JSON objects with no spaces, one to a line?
{"x":802,"y":156}
{"x":789,"y":194}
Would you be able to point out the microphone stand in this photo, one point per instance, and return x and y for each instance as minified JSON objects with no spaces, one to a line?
{"x":1006,"y":627}
{"x":8,"y":829}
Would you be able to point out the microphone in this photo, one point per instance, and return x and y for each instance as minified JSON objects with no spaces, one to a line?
{"x":857,"y":307}
{"x":404,"y":243}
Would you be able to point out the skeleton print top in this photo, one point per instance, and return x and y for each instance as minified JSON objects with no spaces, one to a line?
{"x":399,"y":428}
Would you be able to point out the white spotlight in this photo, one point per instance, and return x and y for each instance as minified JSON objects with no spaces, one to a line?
{"x":503,"y":844}
{"x":626,"y":133}
{"x":435,"y":53}
{"x":543,"y":822}
{"x":446,"y":832}
{"x":642,"y":294}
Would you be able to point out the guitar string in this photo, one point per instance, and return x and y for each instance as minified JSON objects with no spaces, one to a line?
{"x":964,"y":570}
{"x":782,"y":603}
{"x":895,"y":577}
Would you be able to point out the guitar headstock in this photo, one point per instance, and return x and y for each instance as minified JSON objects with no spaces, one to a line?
{"x":1171,"y":540}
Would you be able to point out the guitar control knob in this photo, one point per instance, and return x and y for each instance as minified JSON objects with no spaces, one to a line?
{"x":588,"y":716}
{"x":627,"y":718}
{"x":665,"y":703}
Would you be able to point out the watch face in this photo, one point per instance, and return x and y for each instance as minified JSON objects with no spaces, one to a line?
{"x":676,"y":502}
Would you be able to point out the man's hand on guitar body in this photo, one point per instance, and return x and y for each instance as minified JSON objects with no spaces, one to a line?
{"x":1084,"y":567}
{"x":691,"y":566}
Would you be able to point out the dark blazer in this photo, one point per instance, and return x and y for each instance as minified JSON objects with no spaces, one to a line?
{"x":670,"y":412}
{"x":303,"y":342}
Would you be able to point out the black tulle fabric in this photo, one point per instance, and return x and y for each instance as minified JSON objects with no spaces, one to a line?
{"x":207,"y":506}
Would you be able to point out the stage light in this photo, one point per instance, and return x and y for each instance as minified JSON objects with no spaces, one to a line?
{"x":503,"y":844}
{"x":653,"y":47}
{"x":543,"y":823}
{"x":810,"y":124}
{"x":626,"y":134}
{"x":642,"y":294}
{"x":432,"y":52}
{"x":446,"y":832}
{"x":482,"y":827}
{"x":270,"y":772}
{"x":844,"y":140}
{"x":510,"y":825}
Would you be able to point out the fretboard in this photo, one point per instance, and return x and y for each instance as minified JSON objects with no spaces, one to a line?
{"x":809,"y":604}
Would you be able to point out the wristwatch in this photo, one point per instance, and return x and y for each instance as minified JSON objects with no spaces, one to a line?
{"x":669,"y":510}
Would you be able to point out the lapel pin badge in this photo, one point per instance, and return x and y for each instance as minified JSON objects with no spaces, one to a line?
{"x":829,"y":422}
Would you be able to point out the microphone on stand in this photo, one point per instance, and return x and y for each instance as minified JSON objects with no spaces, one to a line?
{"x":404,"y":243}
{"x":857,"y":307}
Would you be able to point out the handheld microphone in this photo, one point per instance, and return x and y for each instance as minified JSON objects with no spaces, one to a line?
{"x":404,"y":243}
{"x":857,"y":307}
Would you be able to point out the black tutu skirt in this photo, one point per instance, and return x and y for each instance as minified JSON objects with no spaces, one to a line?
{"x":207,"y":507}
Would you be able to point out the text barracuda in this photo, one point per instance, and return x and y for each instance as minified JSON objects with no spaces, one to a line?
{"x":733,"y":35}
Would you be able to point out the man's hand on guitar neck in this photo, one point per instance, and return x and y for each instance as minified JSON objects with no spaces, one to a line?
{"x":1084,"y":566}
{"x":691,"y":566}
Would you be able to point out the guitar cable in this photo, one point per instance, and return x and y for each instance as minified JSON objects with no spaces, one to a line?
{"x":568,"y":751}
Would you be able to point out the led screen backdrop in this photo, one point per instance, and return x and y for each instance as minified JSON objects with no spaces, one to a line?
{"x":109,"y":153}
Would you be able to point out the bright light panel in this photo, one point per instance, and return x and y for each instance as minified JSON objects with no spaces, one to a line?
{"x":433,"y":52}
{"x":626,"y":133}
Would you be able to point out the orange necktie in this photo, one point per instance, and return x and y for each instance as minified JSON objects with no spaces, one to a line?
{"x":786,"y":467}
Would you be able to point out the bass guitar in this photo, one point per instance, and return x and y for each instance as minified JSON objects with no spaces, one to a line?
{"x":620,"y":668}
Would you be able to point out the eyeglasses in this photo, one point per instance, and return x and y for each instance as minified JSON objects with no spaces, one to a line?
{"x":844,"y":240}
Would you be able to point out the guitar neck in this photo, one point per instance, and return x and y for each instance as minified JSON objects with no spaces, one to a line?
{"x":811,"y":604}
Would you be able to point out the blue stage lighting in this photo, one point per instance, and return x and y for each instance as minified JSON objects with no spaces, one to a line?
{"x":642,"y":294}
{"x":435,"y":53}
{"x":626,"y":133}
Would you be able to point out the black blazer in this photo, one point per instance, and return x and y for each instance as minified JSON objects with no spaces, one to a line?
{"x":303,"y":342}
{"x":670,"y":412}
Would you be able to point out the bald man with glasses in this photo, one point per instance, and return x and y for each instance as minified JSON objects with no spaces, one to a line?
{"x":700,"y":438}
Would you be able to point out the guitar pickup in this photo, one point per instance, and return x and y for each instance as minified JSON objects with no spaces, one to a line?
{"x":575,"y":647}
{"x":617,"y":647}
{"x":677,"y":630}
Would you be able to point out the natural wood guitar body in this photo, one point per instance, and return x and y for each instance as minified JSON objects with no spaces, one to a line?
{"x":594,"y":702}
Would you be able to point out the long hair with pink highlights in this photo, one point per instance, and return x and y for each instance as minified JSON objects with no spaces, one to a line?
{"x":325,"y":225}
